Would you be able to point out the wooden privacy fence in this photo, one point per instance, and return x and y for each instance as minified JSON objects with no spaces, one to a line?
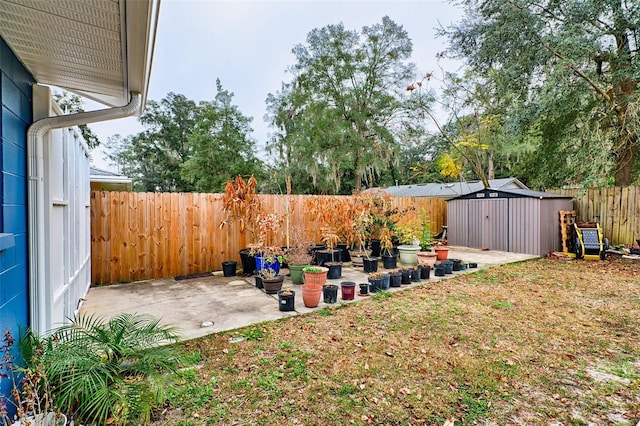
{"x":616,"y":208}
{"x":137,"y":236}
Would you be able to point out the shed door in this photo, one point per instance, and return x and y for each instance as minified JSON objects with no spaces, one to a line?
{"x":489,"y":224}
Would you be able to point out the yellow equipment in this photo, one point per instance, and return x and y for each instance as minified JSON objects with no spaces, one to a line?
{"x":588,"y":242}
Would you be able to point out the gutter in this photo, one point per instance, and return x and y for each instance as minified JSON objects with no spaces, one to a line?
{"x":39,"y":291}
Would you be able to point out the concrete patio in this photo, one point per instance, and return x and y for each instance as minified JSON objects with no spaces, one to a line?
{"x":201,"y":306}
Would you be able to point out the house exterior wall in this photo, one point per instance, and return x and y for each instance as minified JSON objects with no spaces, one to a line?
{"x":16,"y":109}
{"x":67,"y":217}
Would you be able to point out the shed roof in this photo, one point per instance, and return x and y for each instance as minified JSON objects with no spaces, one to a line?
{"x":508,"y":193}
{"x":449,"y":190}
{"x":100,"y":49}
{"x":101,"y":175}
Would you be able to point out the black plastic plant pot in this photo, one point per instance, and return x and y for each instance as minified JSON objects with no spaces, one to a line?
{"x":438,"y":270}
{"x":406,"y":277}
{"x":448,"y":266}
{"x":229,"y":268}
{"x":374,"y":246}
{"x":248,"y":262}
{"x":258,"y":279}
{"x":370,"y":264}
{"x":335,"y":270}
{"x":286,"y":301}
{"x":389,"y":261}
{"x":375,"y":284}
{"x":425,"y":272}
{"x":364,"y":289}
{"x":456,"y":264}
{"x":472,"y":265}
{"x":415,"y":274}
{"x":325,"y":256}
{"x":345,"y":253}
{"x":385,"y":282}
{"x":330,"y":293}
{"x":395,"y":280}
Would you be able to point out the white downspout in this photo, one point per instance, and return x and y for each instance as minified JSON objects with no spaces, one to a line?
{"x":39,"y":311}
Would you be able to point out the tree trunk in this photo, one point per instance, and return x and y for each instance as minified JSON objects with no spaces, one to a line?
{"x":625,"y":159}
{"x":490,"y":166}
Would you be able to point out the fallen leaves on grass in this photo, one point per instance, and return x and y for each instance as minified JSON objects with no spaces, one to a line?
{"x":516,"y":344}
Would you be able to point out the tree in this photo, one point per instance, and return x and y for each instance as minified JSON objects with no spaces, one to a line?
{"x":70,"y":103}
{"x":338,"y":118}
{"x":154,"y":157}
{"x":574,"y":68}
{"x":220,"y":145}
{"x":187,"y":146}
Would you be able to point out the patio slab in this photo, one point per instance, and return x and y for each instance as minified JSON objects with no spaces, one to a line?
{"x":234,"y":302}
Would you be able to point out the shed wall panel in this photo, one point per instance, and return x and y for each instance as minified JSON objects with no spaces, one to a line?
{"x":496,"y":215}
{"x":550,"y":234}
{"x":475,"y":218}
{"x":524,"y":221}
{"x":458,"y":223}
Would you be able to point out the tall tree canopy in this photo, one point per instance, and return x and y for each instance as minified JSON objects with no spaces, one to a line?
{"x":187,"y":146}
{"x":573,"y":69}
{"x":339,"y":118}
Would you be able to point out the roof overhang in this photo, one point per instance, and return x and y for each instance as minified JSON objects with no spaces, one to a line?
{"x":100,"y":49}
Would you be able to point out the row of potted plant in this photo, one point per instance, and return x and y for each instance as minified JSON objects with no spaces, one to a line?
{"x":354,"y":228}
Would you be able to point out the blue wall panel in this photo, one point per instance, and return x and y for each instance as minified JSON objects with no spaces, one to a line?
{"x":15,"y":118}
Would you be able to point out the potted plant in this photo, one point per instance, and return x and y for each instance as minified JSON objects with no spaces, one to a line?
{"x":408,"y":230}
{"x":442,"y":252}
{"x":334,"y":261}
{"x":242,"y":205}
{"x":379,"y":208}
{"x":389,"y":259}
{"x":271,"y":280}
{"x":375,"y":281}
{"x":330,"y":293}
{"x":395,"y":278}
{"x":315,"y":275}
{"x":315,"y":278}
{"x":286,"y":300}
{"x":359,"y":231}
{"x":265,"y":253}
{"x":298,"y":255}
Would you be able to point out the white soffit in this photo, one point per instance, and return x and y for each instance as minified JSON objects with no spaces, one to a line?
{"x":100,"y":49}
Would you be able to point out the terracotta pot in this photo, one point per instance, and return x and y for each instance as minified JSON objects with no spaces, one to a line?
{"x":316,"y":278}
{"x":442,"y":252}
{"x":427,"y":258}
{"x":311,"y":295}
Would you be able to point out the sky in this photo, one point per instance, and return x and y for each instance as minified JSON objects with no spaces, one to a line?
{"x":247,"y":44}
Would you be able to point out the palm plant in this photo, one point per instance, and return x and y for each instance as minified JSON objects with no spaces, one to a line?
{"x":107,"y":372}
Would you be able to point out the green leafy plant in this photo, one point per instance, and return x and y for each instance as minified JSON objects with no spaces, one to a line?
{"x":108,"y":371}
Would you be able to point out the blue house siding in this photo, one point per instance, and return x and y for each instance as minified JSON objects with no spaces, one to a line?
{"x":16,"y":109}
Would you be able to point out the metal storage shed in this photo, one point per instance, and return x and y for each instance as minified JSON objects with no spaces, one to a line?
{"x":519,"y":221}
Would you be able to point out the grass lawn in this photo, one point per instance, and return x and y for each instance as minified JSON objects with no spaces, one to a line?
{"x":541,"y":342}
